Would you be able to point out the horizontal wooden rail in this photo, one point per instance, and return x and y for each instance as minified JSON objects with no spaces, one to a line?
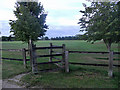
{"x":116,"y":52}
{"x":14,"y":59}
{"x":92,"y":52}
{"x":48,"y":62}
{"x":56,"y":47}
{"x":49,"y":55}
{"x":106,"y":65}
{"x":11,"y":49}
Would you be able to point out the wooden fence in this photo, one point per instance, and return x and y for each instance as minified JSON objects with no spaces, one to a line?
{"x":23,"y":51}
{"x":34,"y":56}
{"x":110,"y":64}
{"x":63,"y":61}
{"x":92,"y":52}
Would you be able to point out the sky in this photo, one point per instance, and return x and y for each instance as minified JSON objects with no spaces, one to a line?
{"x":62,"y":18}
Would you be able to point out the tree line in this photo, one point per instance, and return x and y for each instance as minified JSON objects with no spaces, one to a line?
{"x":76,"y":37}
{"x":65,"y":38}
{"x":7,"y":38}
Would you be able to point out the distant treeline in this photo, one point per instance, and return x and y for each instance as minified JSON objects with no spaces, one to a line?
{"x":77,"y":37}
{"x":66,"y":38}
{"x":7,"y":38}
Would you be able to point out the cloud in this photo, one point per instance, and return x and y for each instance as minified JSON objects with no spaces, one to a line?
{"x":4,"y":28}
{"x":6,"y":9}
{"x":62,"y":4}
{"x":59,"y":31}
{"x":63,"y":15}
{"x":64,"y":20}
{"x":67,"y":22}
{"x":63,"y":12}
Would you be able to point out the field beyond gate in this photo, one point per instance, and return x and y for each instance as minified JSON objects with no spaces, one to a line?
{"x":79,"y":76}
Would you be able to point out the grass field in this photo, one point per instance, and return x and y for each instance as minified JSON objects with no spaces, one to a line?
{"x":79,"y":76}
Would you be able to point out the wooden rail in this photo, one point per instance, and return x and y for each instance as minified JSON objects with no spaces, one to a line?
{"x":11,"y":49}
{"x":106,"y":65}
{"x":15,"y":59}
{"x":49,"y":55}
{"x":92,"y":52}
{"x":47,"y":62}
{"x":54,"y":47}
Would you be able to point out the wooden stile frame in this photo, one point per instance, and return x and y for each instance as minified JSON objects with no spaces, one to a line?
{"x":66,"y":62}
{"x":50,"y":52}
{"x":24,"y":58}
{"x":33,"y":56}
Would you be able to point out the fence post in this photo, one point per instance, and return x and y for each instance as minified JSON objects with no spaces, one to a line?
{"x":110,"y":71}
{"x":34,"y":60}
{"x":30,"y":51}
{"x":63,"y":55}
{"x":66,"y":62}
{"x":50,"y":52}
{"x":32,"y":56}
{"x":24,"y":57}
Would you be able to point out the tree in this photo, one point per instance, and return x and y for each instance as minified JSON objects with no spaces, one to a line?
{"x":30,"y":23}
{"x":4,"y":38}
{"x":99,"y":22}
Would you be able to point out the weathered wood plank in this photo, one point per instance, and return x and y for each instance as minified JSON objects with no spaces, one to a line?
{"x":32,"y":55}
{"x":66,"y":62}
{"x":50,"y":52}
{"x":24,"y":58}
{"x":106,"y":65}
{"x":63,"y":53}
{"x":56,"y":47}
{"x":48,"y":62}
{"x":14,"y":59}
{"x":49,"y":55}
{"x":11,"y":49}
{"x":116,"y":52}
{"x":90,"y":52}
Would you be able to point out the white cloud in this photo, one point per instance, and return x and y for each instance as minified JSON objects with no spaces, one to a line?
{"x":72,"y":7}
{"x":67,"y":22}
{"x":7,"y":15}
{"x":62,"y":21}
{"x":62,"y":4}
{"x":60,"y":12}
{"x":6,"y":9}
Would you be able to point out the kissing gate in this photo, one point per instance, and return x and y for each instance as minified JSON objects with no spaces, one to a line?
{"x":64,"y":61}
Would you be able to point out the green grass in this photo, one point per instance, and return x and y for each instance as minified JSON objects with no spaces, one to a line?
{"x":79,"y":76}
{"x":12,"y":68}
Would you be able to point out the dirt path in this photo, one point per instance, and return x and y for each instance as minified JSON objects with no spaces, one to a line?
{"x":13,"y":82}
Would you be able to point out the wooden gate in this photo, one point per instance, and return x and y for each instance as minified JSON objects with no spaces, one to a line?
{"x":64,"y":61}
